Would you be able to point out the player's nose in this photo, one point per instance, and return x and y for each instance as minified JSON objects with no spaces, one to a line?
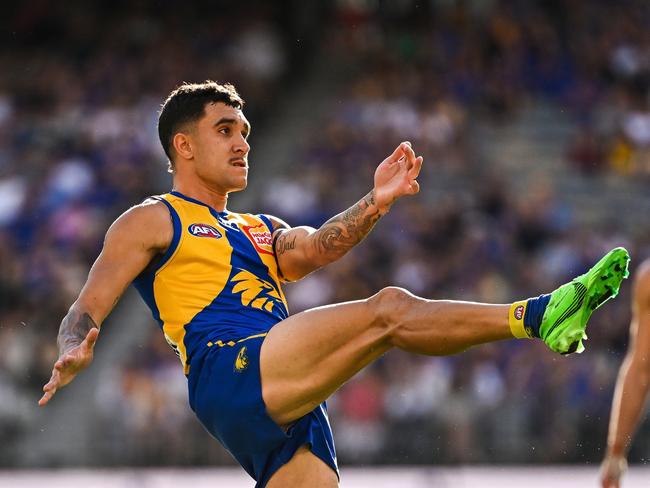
{"x":241,"y":145}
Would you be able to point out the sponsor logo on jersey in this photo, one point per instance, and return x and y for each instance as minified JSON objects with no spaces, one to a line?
{"x":241,"y":363}
{"x":204,"y":230}
{"x":519,"y":312}
{"x":260,"y":237}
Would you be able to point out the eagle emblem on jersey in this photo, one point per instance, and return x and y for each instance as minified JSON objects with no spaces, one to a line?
{"x":255,"y":292}
{"x":241,"y":363}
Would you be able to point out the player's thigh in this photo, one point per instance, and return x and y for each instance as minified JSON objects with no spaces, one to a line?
{"x":306,"y":357}
{"x":304,"y":470}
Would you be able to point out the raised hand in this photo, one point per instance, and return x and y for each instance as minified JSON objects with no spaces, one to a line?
{"x":611,"y":471}
{"x":396,"y":175}
{"x":69,"y":364}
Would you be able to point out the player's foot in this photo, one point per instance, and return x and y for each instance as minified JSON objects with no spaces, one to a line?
{"x":565,"y":318}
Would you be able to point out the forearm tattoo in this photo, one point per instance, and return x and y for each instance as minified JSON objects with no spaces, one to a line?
{"x":74,"y":329}
{"x":344,"y":231}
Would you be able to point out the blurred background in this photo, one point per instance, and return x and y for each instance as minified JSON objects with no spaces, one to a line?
{"x":534,"y":121}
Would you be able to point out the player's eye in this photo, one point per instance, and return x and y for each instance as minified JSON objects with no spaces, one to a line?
{"x":225,"y":130}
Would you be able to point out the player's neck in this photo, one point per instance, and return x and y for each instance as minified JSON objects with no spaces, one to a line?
{"x":216,"y":199}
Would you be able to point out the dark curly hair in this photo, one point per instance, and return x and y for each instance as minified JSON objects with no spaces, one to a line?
{"x":187,"y":104}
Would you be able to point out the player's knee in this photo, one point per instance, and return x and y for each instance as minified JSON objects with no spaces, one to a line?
{"x":390,"y":305}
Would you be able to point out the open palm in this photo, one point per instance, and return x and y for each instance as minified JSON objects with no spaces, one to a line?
{"x":396,"y":175}
{"x":68,"y":365}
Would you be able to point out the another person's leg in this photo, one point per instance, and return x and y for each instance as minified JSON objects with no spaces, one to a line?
{"x":308,"y":356}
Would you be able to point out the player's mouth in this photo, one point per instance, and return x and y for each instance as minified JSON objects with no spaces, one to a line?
{"x":239,"y":163}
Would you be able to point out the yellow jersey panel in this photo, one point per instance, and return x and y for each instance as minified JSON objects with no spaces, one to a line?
{"x":218,"y":281}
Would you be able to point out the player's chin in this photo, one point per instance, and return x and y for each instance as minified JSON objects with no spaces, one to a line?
{"x":239,"y":184}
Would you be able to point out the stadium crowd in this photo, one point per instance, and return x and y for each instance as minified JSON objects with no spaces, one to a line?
{"x":78,"y":145}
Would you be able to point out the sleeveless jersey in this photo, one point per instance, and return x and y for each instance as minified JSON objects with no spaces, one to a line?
{"x":218,"y":281}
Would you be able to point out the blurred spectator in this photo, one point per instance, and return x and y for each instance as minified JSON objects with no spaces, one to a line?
{"x":586,"y":152}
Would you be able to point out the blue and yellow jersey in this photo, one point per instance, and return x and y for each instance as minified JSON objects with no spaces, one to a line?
{"x":218,"y":281}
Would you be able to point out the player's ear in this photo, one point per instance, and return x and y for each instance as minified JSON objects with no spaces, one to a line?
{"x":183,"y":145}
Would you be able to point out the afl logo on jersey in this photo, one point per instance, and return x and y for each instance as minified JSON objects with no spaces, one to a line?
{"x":204,"y":230}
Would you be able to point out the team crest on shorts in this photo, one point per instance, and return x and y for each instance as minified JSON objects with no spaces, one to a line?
{"x":241,"y":363}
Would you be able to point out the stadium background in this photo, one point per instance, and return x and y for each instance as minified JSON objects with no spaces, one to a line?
{"x":534,"y":121}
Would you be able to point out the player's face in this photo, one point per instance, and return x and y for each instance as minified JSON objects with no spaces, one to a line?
{"x":221,"y":148}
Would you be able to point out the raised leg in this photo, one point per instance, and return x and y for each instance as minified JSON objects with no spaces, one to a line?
{"x":308,"y":356}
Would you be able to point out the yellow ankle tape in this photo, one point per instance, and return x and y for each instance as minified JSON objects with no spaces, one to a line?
{"x":516,"y":319}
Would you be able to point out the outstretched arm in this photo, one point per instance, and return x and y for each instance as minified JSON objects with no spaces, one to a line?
{"x":131,"y":243}
{"x":301,"y":250}
{"x":632,"y":386}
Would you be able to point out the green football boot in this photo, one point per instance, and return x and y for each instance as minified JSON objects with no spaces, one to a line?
{"x":566,"y":315}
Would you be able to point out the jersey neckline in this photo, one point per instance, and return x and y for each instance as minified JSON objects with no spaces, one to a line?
{"x":198,"y":202}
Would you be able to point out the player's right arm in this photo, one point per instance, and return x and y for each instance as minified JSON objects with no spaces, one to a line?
{"x":132,"y":241}
{"x":301,"y":250}
{"x":632,"y":385}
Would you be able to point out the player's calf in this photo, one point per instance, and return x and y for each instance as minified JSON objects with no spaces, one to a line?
{"x":435,"y":327}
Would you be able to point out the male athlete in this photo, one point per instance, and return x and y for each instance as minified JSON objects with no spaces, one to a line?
{"x":257,"y":377}
{"x":633,"y":383}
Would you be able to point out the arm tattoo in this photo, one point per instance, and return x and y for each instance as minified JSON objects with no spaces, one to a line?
{"x":285,"y":243}
{"x":74,"y":329}
{"x":342,"y":232}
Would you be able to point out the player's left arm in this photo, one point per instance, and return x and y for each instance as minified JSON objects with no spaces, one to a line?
{"x":301,"y":250}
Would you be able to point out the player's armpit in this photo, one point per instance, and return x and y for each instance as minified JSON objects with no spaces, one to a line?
{"x":131,"y":242}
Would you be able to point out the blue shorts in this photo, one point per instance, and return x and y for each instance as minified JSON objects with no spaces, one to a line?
{"x":225,"y":393}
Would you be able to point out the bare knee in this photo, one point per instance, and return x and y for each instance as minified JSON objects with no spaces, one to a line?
{"x":390,"y":306}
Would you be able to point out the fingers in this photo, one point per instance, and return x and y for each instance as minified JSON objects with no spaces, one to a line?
{"x":91,"y":338}
{"x":414,"y":171}
{"x":70,"y":363}
{"x":67,"y":366}
{"x":403,"y":152}
{"x":410,"y":156}
{"x":50,"y":387}
{"x":46,"y":398}
{"x":54,"y":379}
{"x":612,"y":469}
{"x":398,"y":153}
{"x":60,"y":377}
{"x":611,"y":483}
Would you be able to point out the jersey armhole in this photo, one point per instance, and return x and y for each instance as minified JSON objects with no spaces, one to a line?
{"x":176,"y":222}
{"x":269,"y":224}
